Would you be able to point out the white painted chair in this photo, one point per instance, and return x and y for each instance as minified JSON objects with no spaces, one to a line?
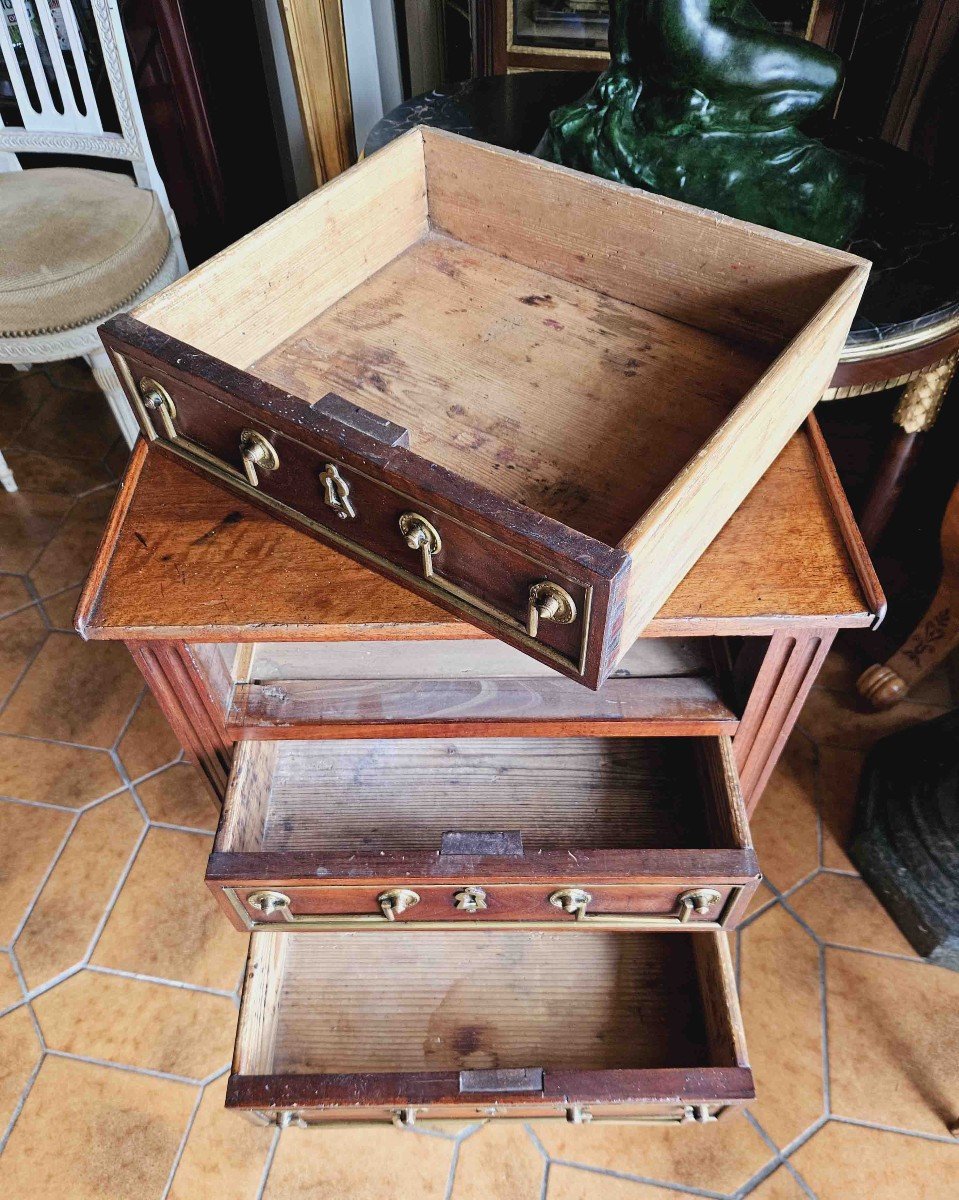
{"x":76,"y":246}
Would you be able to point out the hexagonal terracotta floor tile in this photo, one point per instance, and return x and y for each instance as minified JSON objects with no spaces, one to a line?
{"x":69,"y":776}
{"x":148,"y":742}
{"x":74,"y":899}
{"x":785,"y":826}
{"x":225,"y":1155}
{"x":135,"y":1023}
{"x":364,"y":1164}
{"x":842,"y":909}
{"x":67,"y":558}
{"x":165,"y":921}
{"x":20,"y":1051}
{"x":893,"y":1041}
{"x":75,"y":691}
{"x":21,"y":636}
{"x":781,"y":1005}
{"x":30,"y":838}
{"x":851,"y":1163}
{"x":574,"y":1183}
{"x":88,"y":1132}
{"x":178,"y":796}
{"x":499,"y":1162}
{"x":720,"y":1157}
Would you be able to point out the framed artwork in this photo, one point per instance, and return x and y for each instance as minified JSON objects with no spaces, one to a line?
{"x":571,"y":34}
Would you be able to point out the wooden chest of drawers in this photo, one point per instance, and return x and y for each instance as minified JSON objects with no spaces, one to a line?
{"x":531,"y":396}
{"x":412,"y":810}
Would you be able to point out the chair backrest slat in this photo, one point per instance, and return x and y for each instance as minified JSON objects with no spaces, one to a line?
{"x":51,"y":68}
{"x":80,"y":66}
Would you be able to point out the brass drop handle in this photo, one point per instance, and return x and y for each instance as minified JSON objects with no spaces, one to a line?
{"x":256,"y":451}
{"x":336,"y":492}
{"x":470,"y":899}
{"x":396,"y":902}
{"x":401,"y":1118}
{"x":157,"y":399}
{"x":391,"y":903}
{"x":549,"y":602}
{"x":579,"y":1114}
{"x":575,"y":901}
{"x":421,"y":535}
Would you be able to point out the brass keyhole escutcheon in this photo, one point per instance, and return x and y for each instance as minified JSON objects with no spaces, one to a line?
{"x":396,"y":901}
{"x":470,"y":899}
{"x":256,"y":452}
{"x":157,"y":399}
{"x":421,"y":535}
{"x":699,"y":901}
{"x":336,"y":492}
{"x":549,"y":602}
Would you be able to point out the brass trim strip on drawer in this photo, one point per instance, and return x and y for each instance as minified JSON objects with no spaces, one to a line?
{"x":462,"y":600}
{"x":379,"y":920}
{"x":409,"y":1118}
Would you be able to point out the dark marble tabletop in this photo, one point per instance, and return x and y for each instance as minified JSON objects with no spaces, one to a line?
{"x":910,"y":230}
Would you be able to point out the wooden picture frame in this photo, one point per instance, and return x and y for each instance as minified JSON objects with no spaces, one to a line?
{"x":316,"y":40}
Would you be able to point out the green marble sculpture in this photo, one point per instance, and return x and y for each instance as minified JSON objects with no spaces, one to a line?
{"x":702,"y":101}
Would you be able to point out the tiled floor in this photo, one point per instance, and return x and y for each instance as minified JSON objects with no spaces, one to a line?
{"x":118,"y":978}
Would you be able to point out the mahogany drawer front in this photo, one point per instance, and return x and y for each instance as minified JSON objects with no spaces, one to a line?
{"x":455,"y":833}
{"x":415,"y":1027}
{"x":342,"y":498}
{"x":708,"y":902}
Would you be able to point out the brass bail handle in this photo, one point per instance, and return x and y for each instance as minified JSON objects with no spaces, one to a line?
{"x":576,"y":900}
{"x":396,"y":902}
{"x":157,"y":399}
{"x":421,"y":535}
{"x":256,"y":451}
{"x":579,"y":1114}
{"x":549,"y":602}
{"x":336,"y":492}
{"x":391,"y":903}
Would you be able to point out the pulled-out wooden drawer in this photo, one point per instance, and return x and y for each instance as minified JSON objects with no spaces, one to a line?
{"x":532,"y":396}
{"x":409,"y":1026}
{"x":576,"y":833}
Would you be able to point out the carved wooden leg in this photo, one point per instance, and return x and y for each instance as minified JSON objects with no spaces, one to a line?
{"x":933,"y":638}
{"x":183,"y":697}
{"x":915,"y":415}
{"x":788,"y":671}
{"x":109,"y":384}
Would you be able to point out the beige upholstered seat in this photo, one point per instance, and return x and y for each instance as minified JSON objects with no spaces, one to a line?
{"x":75,"y":245}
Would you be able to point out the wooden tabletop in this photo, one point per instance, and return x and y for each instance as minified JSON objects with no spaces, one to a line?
{"x":181,"y":559}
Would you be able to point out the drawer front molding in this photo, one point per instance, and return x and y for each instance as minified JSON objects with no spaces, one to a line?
{"x":635,"y":906}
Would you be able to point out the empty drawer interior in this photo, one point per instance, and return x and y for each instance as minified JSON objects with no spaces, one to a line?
{"x":397,"y":795}
{"x":418,"y":1002}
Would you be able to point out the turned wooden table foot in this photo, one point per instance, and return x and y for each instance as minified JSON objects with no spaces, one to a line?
{"x":936,"y":635}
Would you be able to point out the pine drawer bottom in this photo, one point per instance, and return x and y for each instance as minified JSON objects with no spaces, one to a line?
{"x":412,"y":1025}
